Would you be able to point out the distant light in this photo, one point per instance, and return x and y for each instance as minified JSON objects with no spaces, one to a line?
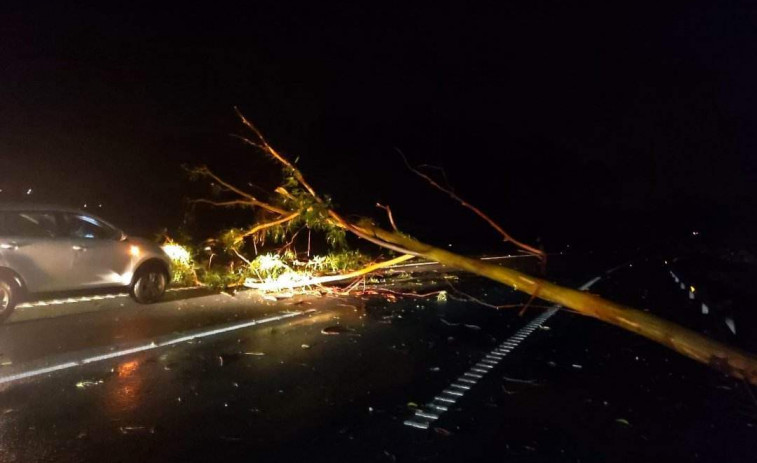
{"x":100,"y":205}
{"x":666,"y":262}
{"x":208,"y":248}
{"x":692,"y":289}
{"x":695,"y":233}
{"x":450,"y":245}
{"x":134,"y":251}
{"x":29,"y":191}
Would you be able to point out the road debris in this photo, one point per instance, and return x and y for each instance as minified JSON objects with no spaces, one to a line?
{"x":225,"y":359}
{"x":88,"y":383}
{"x":442,"y":431}
{"x":338,"y":329}
{"x":521,"y":381}
{"x":136,"y":429}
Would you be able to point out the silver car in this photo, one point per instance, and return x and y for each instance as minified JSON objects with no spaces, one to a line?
{"x":49,"y":249}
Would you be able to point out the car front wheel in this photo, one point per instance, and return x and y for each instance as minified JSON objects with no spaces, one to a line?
{"x":149,"y":285}
{"x":9,"y":295}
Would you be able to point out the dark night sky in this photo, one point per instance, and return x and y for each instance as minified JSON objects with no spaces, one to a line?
{"x":559,"y":119}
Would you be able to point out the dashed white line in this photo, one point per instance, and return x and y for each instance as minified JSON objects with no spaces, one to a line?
{"x":423,"y":418}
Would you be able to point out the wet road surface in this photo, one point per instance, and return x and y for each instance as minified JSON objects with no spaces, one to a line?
{"x":336,"y":380}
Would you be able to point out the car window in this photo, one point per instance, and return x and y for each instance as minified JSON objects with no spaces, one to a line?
{"x":29,"y":224}
{"x":82,"y":226}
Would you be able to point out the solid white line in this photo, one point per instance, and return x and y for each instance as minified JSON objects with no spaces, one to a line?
{"x":150,"y":346}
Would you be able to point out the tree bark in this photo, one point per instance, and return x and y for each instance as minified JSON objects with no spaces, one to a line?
{"x":729,"y":360}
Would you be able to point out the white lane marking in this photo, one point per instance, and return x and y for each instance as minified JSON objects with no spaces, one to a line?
{"x":423,"y":418}
{"x":144,"y":347}
{"x":99,"y":297}
{"x":730,"y":324}
{"x":431,"y":416}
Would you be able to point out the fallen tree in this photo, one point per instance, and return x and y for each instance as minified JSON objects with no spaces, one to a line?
{"x":297,"y":200}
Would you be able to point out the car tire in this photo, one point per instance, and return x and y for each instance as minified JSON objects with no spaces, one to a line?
{"x":10,"y":295}
{"x":149,"y":284}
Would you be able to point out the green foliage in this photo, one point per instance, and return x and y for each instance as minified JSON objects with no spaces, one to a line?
{"x":344,"y":261}
{"x":219,"y":278}
{"x":182,"y":263}
{"x":231,"y":240}
{"x":271,"y":266}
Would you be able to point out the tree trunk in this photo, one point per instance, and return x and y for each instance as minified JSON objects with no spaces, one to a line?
{"x":729,"y":360}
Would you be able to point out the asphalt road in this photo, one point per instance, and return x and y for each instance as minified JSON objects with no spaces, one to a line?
{"x":210,"y":377}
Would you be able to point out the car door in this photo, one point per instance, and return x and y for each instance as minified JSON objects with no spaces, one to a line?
{"x":31,"y":244}
{"x":101,"y":257}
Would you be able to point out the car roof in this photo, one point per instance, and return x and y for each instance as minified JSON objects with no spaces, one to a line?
{"x":12,"y":207}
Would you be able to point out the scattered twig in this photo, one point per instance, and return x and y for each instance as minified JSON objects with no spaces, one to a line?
{"x":521,"y":381}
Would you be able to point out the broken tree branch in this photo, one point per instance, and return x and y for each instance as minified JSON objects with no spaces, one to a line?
{"x":507,"y":237}
{"x":734,"y":362}
{"x":729,"y":360}
{"x":250,"y":199}
{"x":263,"y":226}
{"x":277,"y":286}
{"x":389,"y":214}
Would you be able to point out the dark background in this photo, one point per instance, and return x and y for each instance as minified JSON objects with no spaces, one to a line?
{"x":584,"y":123}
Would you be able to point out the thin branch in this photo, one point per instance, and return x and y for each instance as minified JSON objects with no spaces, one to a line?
{"x":291,"y":242}
{"x":265,"y":146}
{"x":538,"y":252}
{"x":250,"y":198}
{"x":441,"y":171}
{"x":235,"y":202}
{"x":247,"y":261}
{"x":388,"y":213}
{"x":470,"y":298}
{"x":329,"y":278}
{"x":266,"y":225}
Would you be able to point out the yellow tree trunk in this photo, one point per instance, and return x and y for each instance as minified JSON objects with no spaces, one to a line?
{"x":729,"y":360}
